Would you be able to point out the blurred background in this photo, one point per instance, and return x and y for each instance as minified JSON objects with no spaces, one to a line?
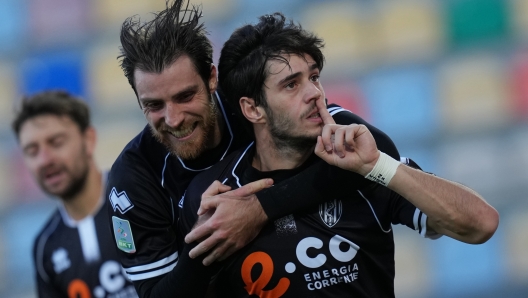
{"x":446,"y":80}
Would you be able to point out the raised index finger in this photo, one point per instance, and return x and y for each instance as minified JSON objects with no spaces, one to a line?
{"x":323,"y":111}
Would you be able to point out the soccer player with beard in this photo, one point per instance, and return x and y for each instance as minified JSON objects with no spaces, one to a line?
{"x":270,"y":73}
{"x":168,"y":63}
{"x":74,"y":253}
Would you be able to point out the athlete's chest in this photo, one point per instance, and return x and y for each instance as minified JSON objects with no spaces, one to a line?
{"x":82,"y":263}
{"x":330,"y":250}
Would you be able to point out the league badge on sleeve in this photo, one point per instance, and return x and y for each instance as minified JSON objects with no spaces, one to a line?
{"x":123,"y":235}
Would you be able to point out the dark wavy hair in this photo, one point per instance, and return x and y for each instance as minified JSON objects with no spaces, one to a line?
{"x":55,"y":102}
{"x":242,"y":65}
{"x":154,"y":45}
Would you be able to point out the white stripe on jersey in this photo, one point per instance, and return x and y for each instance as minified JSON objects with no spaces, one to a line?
{"x":151,"y":274}
{"x":374,"y":212}
{"x":88,"y":236}
{"x":335,"y":110}
{"x":40,"y":247}
{"x":236,"y":165}
{"x":159,"y":266}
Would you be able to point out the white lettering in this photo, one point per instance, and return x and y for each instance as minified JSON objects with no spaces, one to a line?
{"x":335,"y":272}
{"x":355,"y":267}
{"x":316,"y":275}
{"x":110,"y":277}
{"x":343,"y":256}
{"x":325,"y":283}
{"x":302,"y":249}
{"x":318,"y":285}
{"x":307,"y":277}
{"x":326,"y":274}
{"x":333,"y":280}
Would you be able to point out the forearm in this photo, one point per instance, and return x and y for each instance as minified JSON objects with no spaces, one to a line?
{"x":179,"y":283}
{"x":452,"y":209}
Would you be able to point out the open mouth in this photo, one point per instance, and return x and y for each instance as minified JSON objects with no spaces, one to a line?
{"x":183,"y":132}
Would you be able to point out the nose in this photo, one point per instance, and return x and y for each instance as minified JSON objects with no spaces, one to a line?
{"x":45,"y":157}
{"x":173,"y":115}
{"x":313,"y":92}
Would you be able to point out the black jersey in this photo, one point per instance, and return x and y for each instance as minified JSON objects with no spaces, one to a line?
{"x":145,"y":185}
{"x":145,"y":188}
{"x":341,"y":248}
{"x":78,"y":258}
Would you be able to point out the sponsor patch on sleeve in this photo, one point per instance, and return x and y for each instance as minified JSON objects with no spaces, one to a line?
{"x":123,"y":235}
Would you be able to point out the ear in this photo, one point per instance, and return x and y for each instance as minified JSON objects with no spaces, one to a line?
{"x":213,"y":80}
{"x":252,"y":113}
{"x":90,"y":139}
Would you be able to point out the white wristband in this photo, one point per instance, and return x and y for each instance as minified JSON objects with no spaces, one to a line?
{"x":384,"y":169}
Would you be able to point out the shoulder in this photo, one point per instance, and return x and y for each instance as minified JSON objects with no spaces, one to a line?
{"x":51,"y":227}
{"x":220,"y":171}
{"x":142,"y":157}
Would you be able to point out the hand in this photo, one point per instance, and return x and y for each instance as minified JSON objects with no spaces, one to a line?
{"x":350,"y":147}
{"x":237,"y":219}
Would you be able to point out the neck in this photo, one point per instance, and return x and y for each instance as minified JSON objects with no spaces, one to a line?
{"x":269,"y":156}
{"x":88,"y":199}
{"x":220,"y":123}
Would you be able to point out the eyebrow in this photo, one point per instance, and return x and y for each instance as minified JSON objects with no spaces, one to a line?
{"x":294,"y":75}
{"x":176,"y":96}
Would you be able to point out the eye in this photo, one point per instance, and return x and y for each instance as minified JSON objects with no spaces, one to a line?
{"x":315,"y":78}
{"x":152,"y":106}
{"x":57,"y":141}
{"x":186,"y":97}
{"x":31,"y":151}
{"x":290,"y":85}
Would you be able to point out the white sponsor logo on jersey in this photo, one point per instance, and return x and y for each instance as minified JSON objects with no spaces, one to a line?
{"x":60,"y":260}
{"x":120,"y":201}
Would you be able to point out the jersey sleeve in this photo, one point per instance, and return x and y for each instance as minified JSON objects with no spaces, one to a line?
{"x":404,"y":212}
{"x":141,"y":219}
{"x":310,"y":187}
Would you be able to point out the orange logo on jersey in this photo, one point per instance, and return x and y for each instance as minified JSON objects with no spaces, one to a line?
{"x":78,"y":289}
{"x":257,"y":287}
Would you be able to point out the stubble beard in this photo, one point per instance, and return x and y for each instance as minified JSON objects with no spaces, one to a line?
{"x":78,"y":180}
{"x":192,"y":149}
{"x":280,"y":130}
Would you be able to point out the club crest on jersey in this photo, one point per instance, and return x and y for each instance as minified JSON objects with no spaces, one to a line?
{"x":123,"y":235}
{"x":330,"y":212}
{"x":120,"y":201}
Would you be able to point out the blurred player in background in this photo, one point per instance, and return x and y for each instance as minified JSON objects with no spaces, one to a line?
{"x":74,"y":253}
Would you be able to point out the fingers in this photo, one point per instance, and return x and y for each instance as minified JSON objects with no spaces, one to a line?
{"x":218,"y":254}
{"x":198,"y":232}
{"x":323,"y":111}
{"x":251,"y":188}
{"x":215,"y":188}
{"x":203,"y":246}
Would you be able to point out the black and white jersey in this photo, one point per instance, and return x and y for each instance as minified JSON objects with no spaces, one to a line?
{"x":145,"y":186}
{"x":341,"y":248}
{"x":79,"y":258}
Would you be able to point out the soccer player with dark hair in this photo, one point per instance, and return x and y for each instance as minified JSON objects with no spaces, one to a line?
{"x":74,"y":253}
{"x":344,"y":247}
{"x":168,"y":62}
